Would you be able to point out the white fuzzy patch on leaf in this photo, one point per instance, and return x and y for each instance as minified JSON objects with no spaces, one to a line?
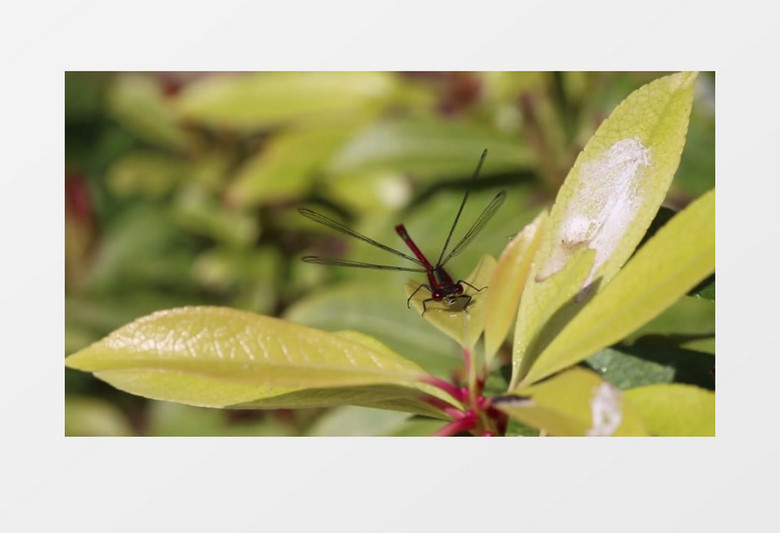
{"x":602,"y":206}
{"x":606,"y":411}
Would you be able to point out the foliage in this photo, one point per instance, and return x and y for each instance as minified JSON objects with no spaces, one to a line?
{"x":182,"y":242}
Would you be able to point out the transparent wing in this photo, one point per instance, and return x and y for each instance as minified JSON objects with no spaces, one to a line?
{"x":460,"y":209}
{"x":338,"y":226}
{"x":355,"y":264}
{"x":483,"y":219}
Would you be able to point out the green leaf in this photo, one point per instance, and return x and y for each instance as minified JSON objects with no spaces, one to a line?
{"x":359,"y":421}
{"x":675,"y":410}
{"x":387,"y":397}
{"x":137,"y":100}
{"x":368,"y":193}
{"x":349,"y":421}
{"x":284,"y":169}
{"x":260,"y":100}
{"x":222,"y":356}
{"x":367,"y":307}
{"x":680,"y":255}
{"x":429,"y":148}
{"x":576,"y":402}
{"x":509,"y":277}
{"x":619,"y":181}
{"x":463,"y":325}
{"x":418,"y":427}
{"x":634,"y":366}
{"x":207,"y":391}
{"x":225,"y":268}
{"x":609,"y":197}
{"x":515,"y":428}
{"x":545,"y":309}
{"x":696,"y":174}
{"x":96,"y":315}
{"x":497,"y":381}
{"x":705,"y":289}
{"x":688,"y":323}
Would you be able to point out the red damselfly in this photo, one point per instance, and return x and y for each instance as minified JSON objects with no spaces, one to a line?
{"x":440,"y":283}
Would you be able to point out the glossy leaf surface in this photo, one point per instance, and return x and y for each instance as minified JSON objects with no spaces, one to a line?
{"x":675,"y":409}
{"x":607,"y":202}
{"x":508,"y":280}
{"x":576,"y":402}
{"x":222,"y":357}
{"x":678,"y":257}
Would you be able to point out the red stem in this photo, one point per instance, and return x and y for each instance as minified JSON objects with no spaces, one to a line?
{"x":446,"y":386}
{"x":438,"y":403}
{"x":465,"y":423}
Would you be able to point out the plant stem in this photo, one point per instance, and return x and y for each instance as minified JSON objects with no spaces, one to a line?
{"x":464,"y":423}
{"x":446,"y":386}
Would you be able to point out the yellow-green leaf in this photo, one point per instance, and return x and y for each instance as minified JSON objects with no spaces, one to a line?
{"x":207,"y":391}
{"x":263,"y":99}
{"x":370,"y":192}
{"x":675,"y":409}
{"x":237,"y":347}
{"x":674,"y":260}
{"x":463,"y":325}
{"x":620,"y":179}
{"x":509,"y":277}
{"x":544,"y":309}
{"x":367,"y":307}
{"x":608,"y":199}
{"x":576,"y":402}
{"x":391,"y":397}
{"x":284,"y":169}
{"x":429,"y":147}
{"x":376,"y":346}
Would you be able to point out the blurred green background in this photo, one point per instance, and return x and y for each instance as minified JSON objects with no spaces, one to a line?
{"x":182,"y":189}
